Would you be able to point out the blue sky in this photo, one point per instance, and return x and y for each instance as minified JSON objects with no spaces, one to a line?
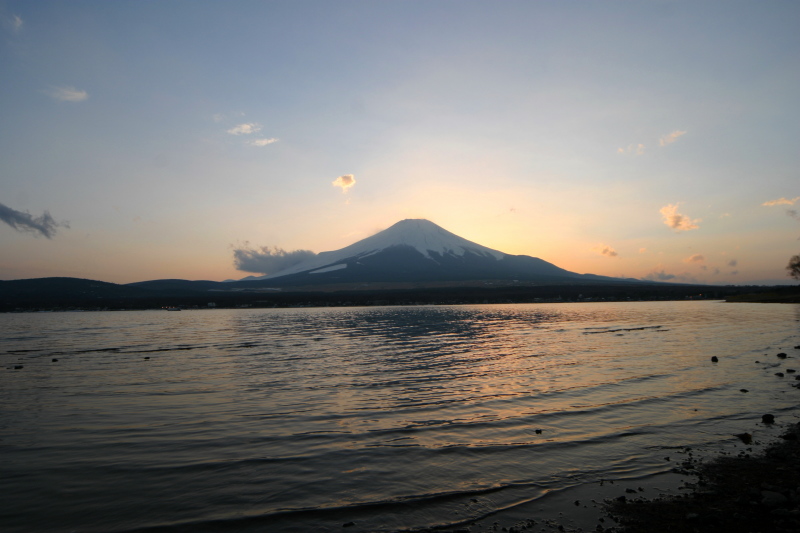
{"x":638,"y":139}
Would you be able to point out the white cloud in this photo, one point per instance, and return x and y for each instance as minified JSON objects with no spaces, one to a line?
{"x":245,"y":129}
{"x":262,"y":142}
{"x":677,"y":221}
{"x":16,"y":23}
{"x":671,"y":137}
{"x":781,"y":201}
{"x":68,"y":94}
{"x":345,"y":182}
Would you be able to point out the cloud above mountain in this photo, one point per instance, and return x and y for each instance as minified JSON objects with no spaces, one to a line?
{"x":660,"y":274}
{"x":781,"y":201}
{"x":636,"y":149}
{"x":677,"y":221}
{"x":245,"y":129}
{"x":262,"y":142}
{"x":267,"y":260}
{"x":68,"y":94}
{"x":44,"y":225}
{"x":670,"y":137}
{"x":345,"y":182}
{"x":604,"y":249}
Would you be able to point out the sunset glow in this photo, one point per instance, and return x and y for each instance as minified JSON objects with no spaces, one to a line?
{"x":151,"y":140}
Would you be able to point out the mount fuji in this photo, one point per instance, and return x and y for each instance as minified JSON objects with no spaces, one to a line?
{"x":417,"y":250}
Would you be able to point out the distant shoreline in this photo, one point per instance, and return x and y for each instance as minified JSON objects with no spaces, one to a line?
{"x":72,"y":294}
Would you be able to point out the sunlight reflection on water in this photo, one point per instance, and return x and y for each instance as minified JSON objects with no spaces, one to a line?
{"x":392,"y":417}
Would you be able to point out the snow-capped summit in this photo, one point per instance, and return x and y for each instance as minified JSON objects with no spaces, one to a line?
{"x":426,"y":237}
{"x":417,"y":250}
{"x":423,"y":235}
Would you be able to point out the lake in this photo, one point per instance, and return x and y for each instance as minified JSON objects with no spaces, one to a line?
{"x":373,"y":418}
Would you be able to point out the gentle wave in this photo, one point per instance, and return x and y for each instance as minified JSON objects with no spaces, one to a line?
{"x":386,"y":418}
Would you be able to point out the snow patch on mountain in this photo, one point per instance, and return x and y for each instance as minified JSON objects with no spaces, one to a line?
{"x":423,"y":235}
{"x":329,"y":269}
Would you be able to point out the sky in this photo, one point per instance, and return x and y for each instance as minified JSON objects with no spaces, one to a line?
{"x":163,"y":139}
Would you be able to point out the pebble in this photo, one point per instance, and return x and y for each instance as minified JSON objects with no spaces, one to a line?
{"x":772,"y":499}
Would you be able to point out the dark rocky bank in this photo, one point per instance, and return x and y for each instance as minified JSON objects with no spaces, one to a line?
{"x":744,"y":493}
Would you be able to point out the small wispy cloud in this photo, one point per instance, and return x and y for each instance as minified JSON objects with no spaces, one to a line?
{"x":670,"y":137}
{"x":696,"y":258}
{"x":68,"y":94}
{"x":635,"y":149}
{"x":677,"y":221}
{"x":660,"y":274}
{"x":16,"y":23}
{"x":345,"y":182}
{"x":781,"y":201}
{"x":262,"y":142}
{"x":245,"y":129}
{"x":604,"y":249}
{"x":43,"y":225}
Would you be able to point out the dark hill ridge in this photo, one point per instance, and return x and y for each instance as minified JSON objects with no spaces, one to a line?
{"x":72,"y":293}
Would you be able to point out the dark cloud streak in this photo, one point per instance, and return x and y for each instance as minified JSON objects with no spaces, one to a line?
{"x":44,"y":225}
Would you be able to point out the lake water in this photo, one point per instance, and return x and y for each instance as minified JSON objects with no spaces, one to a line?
{"x":389,"y":418}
